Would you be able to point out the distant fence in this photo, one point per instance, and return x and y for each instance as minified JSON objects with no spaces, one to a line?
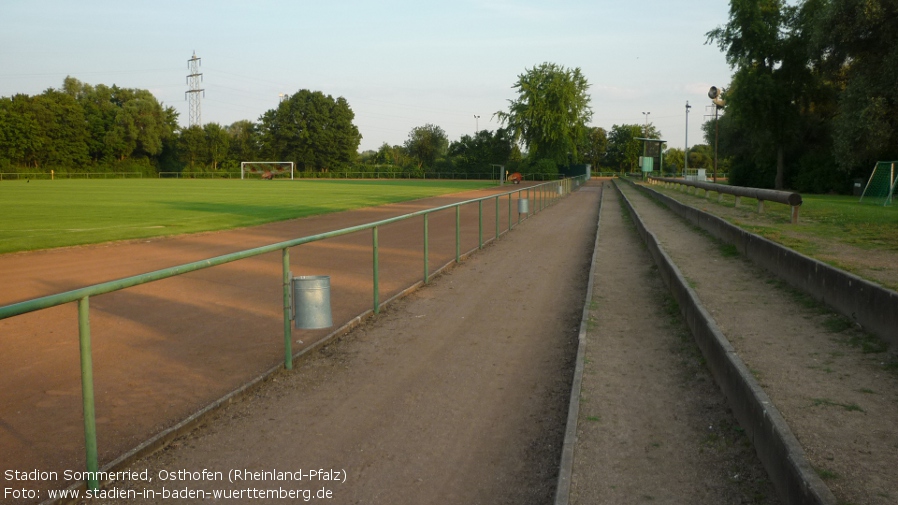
{"x":360,"y":175}
{"x":761,"y":195}
{"x":543,"y":195}
{"x":74,"y":175}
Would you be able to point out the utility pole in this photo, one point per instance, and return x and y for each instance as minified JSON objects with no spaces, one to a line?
{"x":193,"y":95}
{"x":686,"y":146}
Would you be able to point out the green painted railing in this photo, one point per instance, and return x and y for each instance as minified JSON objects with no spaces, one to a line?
{"x":547,"y":193}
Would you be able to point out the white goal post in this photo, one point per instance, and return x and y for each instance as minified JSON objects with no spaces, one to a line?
{"x":265,"y":169}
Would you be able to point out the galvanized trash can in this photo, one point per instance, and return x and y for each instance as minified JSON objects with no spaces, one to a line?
{"x":312,"y":302}
{"x":523,"y":206}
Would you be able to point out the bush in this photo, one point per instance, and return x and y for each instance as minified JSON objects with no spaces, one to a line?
{"x":543,"y":169}
{"x":818,"y":173}
{"x":747,"y":173}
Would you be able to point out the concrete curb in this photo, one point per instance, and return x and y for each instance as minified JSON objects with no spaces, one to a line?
{"x":776,"y":445}
{"x":872,"y":306}
{"x":566,"y":464}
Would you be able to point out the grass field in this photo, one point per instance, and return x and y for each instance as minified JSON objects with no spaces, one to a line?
{"x":44,"y":214}
{"x":858,"y":237}
{"x":834,"y":218}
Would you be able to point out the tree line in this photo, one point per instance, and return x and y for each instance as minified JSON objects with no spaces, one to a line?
{"x":813,"y":102}
{"x":86,"y":128}
{"x":98,"y":128}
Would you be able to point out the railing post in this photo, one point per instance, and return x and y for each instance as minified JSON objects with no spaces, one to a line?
{"x":458,"y":233}
{"x":480,"y":224}
{"x":288,"y":335}
{"x":87,"y":393}
{"x":426,"y":266}
{"x":528,"y":197}
{"x":497,"y":216}
{"x":375,"y":267}
{"x":509,"y":212}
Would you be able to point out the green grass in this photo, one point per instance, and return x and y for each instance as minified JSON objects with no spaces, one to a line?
{"x":826,"y":402}
{"x":45,"y":214}
{"x":833,"y":217}
{"x":825,"y":221}
{"x":826,"y":474}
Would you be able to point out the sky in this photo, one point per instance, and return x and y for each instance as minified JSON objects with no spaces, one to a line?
{"x":399,"y":64}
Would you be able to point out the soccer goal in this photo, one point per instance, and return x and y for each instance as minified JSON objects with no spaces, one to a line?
{"x":265,"y":169}
{"x":881,"y":186}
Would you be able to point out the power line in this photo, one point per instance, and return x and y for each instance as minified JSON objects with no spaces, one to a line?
{"x":193,"y":95}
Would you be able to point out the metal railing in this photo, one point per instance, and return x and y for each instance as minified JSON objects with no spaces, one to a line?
{"x":790,"y":198}
{"x":544,"y":195}
{"x":357,"y":175}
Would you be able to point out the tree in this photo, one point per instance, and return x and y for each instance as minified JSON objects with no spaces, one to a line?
{"x":312,"y":129}
{"x":21,"y":139}
{"x":192,"y":146}
{"x":62,"y":128}
{"x":593,"y":146}
{"x":550,"y":113}
{"x":426,"y":144}
{"x":396,"y":156}
{"x":475,"y":155}
{"x":217,"y":143}
{"x":122,"y":123}
{"x":46,"y":130}
{"x":624,"y":149}
{"x":674,"y":160}
{"x":244,"y":143}
{"x":701,"y":156}
{"x":765,"y":41}
{"x":858,"y":39}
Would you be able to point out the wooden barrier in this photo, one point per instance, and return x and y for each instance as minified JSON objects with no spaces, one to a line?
{"x":761,"y":195}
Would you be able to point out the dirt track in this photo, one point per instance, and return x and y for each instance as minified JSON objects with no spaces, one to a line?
{"x":163,"y":350}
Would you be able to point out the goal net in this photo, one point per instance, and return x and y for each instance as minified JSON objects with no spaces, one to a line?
{"x":880,"y":187}
{"x":266,"y":169}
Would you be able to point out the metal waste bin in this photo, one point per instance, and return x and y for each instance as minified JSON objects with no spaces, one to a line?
{"x":312,"y":302}
{"x":523,"y":206}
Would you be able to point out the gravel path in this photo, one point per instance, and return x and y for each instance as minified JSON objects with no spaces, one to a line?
{"x":830,"y":381}
{"x":653,"y":426}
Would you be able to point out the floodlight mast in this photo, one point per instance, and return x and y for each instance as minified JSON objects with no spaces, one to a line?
{"x":686,"y":146}
{"x":716,"y":97}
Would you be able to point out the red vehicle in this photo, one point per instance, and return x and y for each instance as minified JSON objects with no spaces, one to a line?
{"x":516,"y":178}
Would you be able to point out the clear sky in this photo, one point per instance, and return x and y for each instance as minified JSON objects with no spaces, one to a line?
{"x":399,"y":64}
